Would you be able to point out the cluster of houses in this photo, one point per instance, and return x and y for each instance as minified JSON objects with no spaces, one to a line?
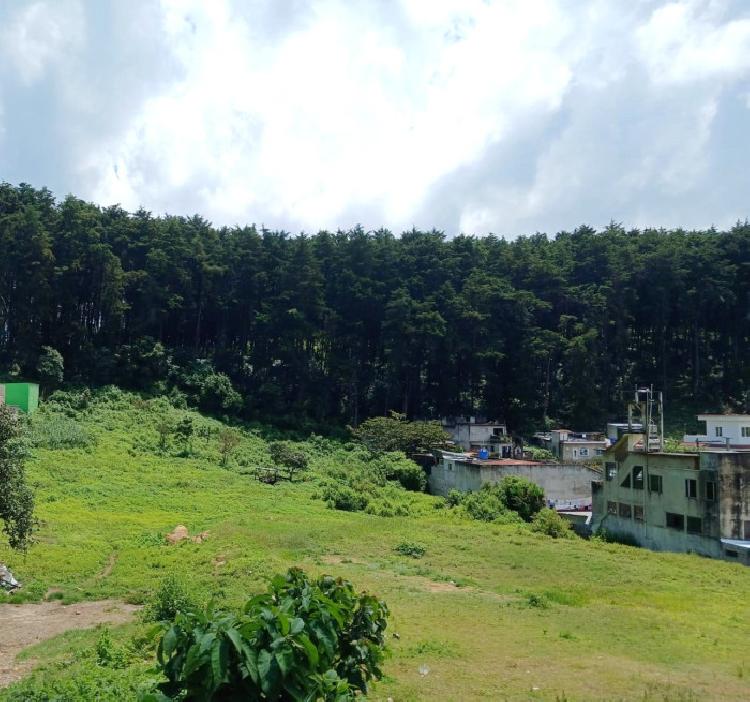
{"x":622,"y":481}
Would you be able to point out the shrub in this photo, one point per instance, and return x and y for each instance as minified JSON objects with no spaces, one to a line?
{"x":484,"y":505}
{"x":52,"y":430}
{"x":170,"y":598}
{"x":548,"y":521}
{"x":397,"y":467}
{"x":111,"y":655}
{"x":521,"y":496}
{"x":303,"y":640}
{"x":342,"y":497}
{"x":286,"y":456}
{"x":411,"y":549}
{"x":454,"y":498}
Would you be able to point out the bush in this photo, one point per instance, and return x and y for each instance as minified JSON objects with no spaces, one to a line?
{"x":52,"y":430}
{"x":302,"y":640}
{"x":286,"y":456}
{"x":397,"y":467}
{"x":454,"y":498}
{"x":411,"y":549}
{"x":170,"y":598}
{"x":521,"y":495}
{"x":344,"y":498}
{"x":548,"y":521}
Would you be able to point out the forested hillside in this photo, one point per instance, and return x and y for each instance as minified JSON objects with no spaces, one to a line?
{"x":333,"y":327}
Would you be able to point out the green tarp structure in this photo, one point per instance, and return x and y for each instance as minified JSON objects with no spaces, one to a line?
{"x":24,"y":396}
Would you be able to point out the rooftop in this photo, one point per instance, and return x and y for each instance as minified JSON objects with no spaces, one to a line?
{"x":501,"y":462}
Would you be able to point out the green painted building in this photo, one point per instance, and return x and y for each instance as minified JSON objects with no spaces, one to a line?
{"x":23,"y":396}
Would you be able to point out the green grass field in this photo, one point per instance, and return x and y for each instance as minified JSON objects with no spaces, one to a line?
{"x":489,"y":612}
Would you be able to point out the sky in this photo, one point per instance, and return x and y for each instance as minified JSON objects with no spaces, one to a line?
{"x":467,"y":116}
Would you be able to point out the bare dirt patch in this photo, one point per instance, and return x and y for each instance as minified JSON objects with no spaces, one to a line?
{"x":28,"y":624}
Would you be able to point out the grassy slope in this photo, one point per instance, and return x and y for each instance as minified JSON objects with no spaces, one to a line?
{"x":622,"y":623}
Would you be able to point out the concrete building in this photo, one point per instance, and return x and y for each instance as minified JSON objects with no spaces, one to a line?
{"x":615,"y":430}
{"x":470,"y":435}
{"x":566,"y":486}
{"x":685,"y":502}
{"x":572,"y":447}
{"x":731,"y":430}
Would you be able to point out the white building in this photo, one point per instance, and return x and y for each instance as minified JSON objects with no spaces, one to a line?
{"x":470,"y":435}
{"x":731,"y":430}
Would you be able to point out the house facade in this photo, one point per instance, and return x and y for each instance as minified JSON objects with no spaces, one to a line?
{"x":731,"y":430}
{"x":470,"y":435}
{"x":572,"y":447}
{"x":684,"y":502}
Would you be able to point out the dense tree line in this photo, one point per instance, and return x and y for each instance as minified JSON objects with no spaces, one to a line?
{"x":338,"y":326}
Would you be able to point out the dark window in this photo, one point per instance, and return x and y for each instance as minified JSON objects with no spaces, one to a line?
{"x":676,"y":521}
{"x":610,"y":470}
{"x":738,"y":482}
{"x":694,"y":525}
{"x":747,"y":531}
{"x":626,"y":482}
{"x":710,"y":491}
{"x":625,"y":511}
{"x":691,"y":489}
{"x":638,"y":513}
{"x":655,"y":483}
{"x":719,"y":431}
{"x":611,"y":508}
{"x":730,"y":553}
{"x":638,"y":477}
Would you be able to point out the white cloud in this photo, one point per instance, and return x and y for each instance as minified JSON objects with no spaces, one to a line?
{"x":694,"y":40}
{"x":38,"y":34}
{"x":474,"y":115}
{"x":340,"y":112}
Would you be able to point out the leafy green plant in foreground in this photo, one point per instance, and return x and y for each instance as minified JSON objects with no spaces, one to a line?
{"x":302,"y":640}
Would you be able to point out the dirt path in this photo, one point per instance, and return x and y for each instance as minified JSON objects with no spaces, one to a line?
{"x":27,"y":624}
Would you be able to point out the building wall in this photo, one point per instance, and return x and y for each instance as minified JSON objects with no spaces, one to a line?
{"x":572,"y":451}
{"x":715,"y":506}
{"x":560,"y":483}
{"x":731,"y":429}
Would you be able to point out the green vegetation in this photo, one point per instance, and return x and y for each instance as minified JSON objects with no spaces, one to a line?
{"x":514,"y":499}
{"x":302,"y":640}
{"x":549,"y":522}
{"x":16,"y":499}
{"x":605,"y":620}
{"x":321,"y":330}
{"x":395,"y":433}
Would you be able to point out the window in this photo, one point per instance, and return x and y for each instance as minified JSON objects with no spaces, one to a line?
{"x":710,"y":491}
{"x":610,"y":470}
{"x":730,"y":553}
{"x":676,"y":521}
{"x":747,"y":530}
{"x":694,"y":525}
{"x":638,"y":513}
{"x":584,"y":452}
{"x":626,"y":482}
{"x":611,"y":508}
{"x":691,"y":489}
{"x":638,"y":477}
{"x":745,"y":432}
{"x":625,"y":511}
{"x":719,"y":431}
{"x":655,"y":483}
{"x":599,"y":452}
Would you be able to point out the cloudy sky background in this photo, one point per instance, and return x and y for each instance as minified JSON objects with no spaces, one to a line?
{"x":468,"y":116}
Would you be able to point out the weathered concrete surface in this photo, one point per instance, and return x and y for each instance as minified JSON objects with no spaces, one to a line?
{"x":561,"y":483}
